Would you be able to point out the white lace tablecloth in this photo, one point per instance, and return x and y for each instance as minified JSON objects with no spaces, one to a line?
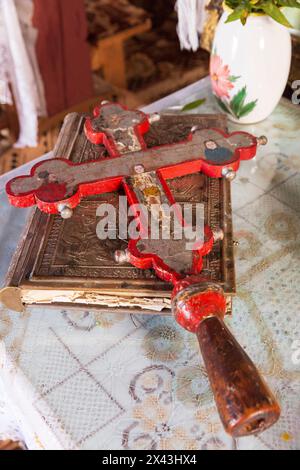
{"x":96,"y":381}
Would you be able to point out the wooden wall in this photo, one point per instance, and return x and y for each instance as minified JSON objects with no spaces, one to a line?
{"x":63,"y":52}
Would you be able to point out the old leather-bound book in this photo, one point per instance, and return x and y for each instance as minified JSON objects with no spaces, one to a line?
{"x":63,"y":263}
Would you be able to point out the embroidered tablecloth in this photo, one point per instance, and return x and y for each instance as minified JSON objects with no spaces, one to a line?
{"x":80,"y":380}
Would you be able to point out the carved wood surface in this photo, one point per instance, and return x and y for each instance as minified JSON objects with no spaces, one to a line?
{"x":67,"y":253}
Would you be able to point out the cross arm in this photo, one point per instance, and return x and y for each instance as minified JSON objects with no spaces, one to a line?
{"x":58,"y":181}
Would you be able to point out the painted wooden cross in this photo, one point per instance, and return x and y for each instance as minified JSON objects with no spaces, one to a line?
{"x":57,"y":185}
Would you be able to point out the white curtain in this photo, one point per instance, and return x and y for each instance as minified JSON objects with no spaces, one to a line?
{"x":19,"y":68}
{"x":191,"y":17}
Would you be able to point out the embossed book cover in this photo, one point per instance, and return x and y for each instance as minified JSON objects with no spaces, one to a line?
{"x":63,"y":263}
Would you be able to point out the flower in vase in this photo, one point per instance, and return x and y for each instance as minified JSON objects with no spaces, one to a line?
{"x":220,"y":77}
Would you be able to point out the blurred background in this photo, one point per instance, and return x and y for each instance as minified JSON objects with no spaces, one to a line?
{"x":64,"y":55}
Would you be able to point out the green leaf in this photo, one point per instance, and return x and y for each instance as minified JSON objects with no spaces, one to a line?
{"x":289,"y":3}
{"x":244,"y":17}
{"x":233,"y":78}
{"x":232,"y":3}
{"x":247,"y":108}
{"x":237,"y":102}
{"x":236,"y":14}
{"x":274,"y":12}
{"x":193,"y":104}
{"x":223,"y":106}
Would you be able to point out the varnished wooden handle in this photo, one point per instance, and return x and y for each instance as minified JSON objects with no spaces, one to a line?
{"x":245,"y":403}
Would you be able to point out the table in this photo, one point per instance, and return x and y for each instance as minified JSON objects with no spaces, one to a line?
{"x":82,"y":380}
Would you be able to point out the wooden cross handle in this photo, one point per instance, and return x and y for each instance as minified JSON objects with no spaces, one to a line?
{"x":245,"y":404}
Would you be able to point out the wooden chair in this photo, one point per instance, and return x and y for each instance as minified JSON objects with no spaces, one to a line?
{"x":110,"y":25}
{"x":108,"y":54}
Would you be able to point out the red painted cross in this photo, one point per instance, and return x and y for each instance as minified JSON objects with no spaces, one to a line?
{"x":57,"y":185}
{"x":244,"y":402}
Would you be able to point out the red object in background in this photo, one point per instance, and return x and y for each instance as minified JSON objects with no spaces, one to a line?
{"x":63,"y":52}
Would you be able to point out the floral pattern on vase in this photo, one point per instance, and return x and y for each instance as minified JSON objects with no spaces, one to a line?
{"x":255,"y":58}
{"x":222,"y":83}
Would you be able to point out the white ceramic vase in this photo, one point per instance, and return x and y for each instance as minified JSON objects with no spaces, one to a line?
{"x":249,"y":67}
